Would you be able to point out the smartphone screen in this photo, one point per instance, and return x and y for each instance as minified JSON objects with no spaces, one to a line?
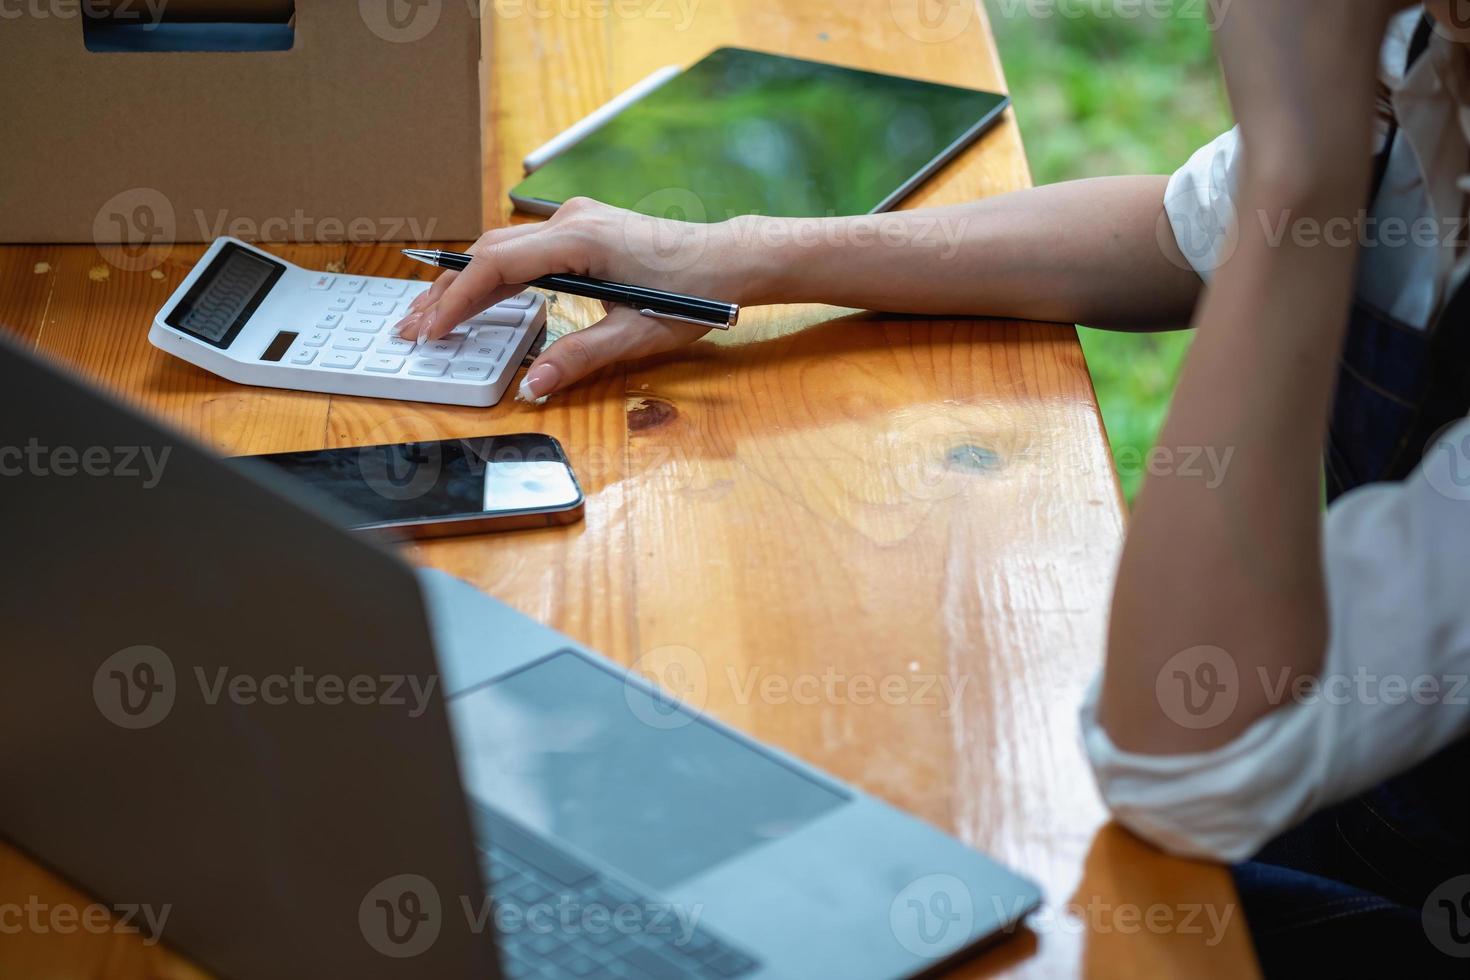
{"x":472,"y":482}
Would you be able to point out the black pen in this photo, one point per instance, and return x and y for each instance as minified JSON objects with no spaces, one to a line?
{"x":649,"y":302}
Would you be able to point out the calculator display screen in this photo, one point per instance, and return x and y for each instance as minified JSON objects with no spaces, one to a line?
{"x":221,"y":300}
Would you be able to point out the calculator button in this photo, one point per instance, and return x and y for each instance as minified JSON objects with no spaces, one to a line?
{"x":395,"y":345}
{"x":377,"y":305}
{"x":365,"y":324}
{"x":351,"y":284}
{"x":471,"y":371}
{"x":329,"y":320}
{"x":485,"y":352}
{"x":383,"y":364}
{"x":316,"y":338}
{"x":353,"y":341}
{"x":520,"y":301}
{"x":387,"y":287}
{"x":341,"y":302}
{"x":303,"y":355}
{"x":443,"y":348}
{"x":340,"y":360}
{"x":494,"y":335}
{"x":428,"y":368}
{"x":498,"y":315}
{"x":323,"y":282}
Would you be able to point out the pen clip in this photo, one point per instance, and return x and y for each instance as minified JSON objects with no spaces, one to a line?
{"x":689,"y":319}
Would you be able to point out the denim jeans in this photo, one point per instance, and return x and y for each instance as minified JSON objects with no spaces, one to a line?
{"x":1342,"y":894}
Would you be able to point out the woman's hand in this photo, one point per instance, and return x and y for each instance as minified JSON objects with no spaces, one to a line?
{"x":592,"y":239}
{"x":1302,"y":78}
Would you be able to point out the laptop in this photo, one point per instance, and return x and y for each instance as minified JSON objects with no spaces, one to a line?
{"x":319,"y":762}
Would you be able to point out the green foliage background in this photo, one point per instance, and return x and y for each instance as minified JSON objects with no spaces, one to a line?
{"x":1108,"y":87}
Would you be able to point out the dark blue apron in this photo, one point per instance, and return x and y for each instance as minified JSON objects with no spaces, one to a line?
{"x":1397,"y":386}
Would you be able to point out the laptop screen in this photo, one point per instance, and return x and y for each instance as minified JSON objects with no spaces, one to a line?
{"x":572,"y":752}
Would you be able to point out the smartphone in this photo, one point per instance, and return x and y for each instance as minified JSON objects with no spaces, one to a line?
{"x":439,"y":489}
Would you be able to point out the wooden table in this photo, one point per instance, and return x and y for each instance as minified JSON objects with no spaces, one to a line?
{"x":880,"y":500}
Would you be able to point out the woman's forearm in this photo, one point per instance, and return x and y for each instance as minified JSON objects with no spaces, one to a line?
{"x":1235,"y":565}
{"x":1086,"y":251}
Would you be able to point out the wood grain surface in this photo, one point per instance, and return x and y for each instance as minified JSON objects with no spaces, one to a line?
{"x":782,"y":523}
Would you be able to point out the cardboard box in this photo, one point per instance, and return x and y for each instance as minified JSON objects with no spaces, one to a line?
{"x":366,"y":129}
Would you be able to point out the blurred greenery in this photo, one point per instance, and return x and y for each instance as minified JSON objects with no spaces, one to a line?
{"x":1099,"y":92}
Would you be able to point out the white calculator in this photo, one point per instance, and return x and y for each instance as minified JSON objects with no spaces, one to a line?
{"x":245,"y":315}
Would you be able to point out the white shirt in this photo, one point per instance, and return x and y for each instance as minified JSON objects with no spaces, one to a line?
{"x":1395,"y":681}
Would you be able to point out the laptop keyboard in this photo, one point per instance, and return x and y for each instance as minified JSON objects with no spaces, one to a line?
{"x":559,"y":918}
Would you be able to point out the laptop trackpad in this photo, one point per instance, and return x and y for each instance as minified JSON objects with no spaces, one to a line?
{"x":573,"y":750}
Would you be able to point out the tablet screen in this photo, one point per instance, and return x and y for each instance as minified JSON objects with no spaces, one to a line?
{"x":743,"y":132}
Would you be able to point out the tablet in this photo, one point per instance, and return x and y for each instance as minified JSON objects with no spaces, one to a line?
{"x":743,"y":132}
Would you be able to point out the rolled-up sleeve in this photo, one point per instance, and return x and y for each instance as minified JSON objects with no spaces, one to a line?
{"x":1392,"y":691}
{"x":1199,"y":203}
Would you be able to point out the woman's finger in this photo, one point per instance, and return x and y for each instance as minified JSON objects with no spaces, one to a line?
{"x":623,"y":334}
{"x":495,"y":272}
{"x":411,"y":326}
